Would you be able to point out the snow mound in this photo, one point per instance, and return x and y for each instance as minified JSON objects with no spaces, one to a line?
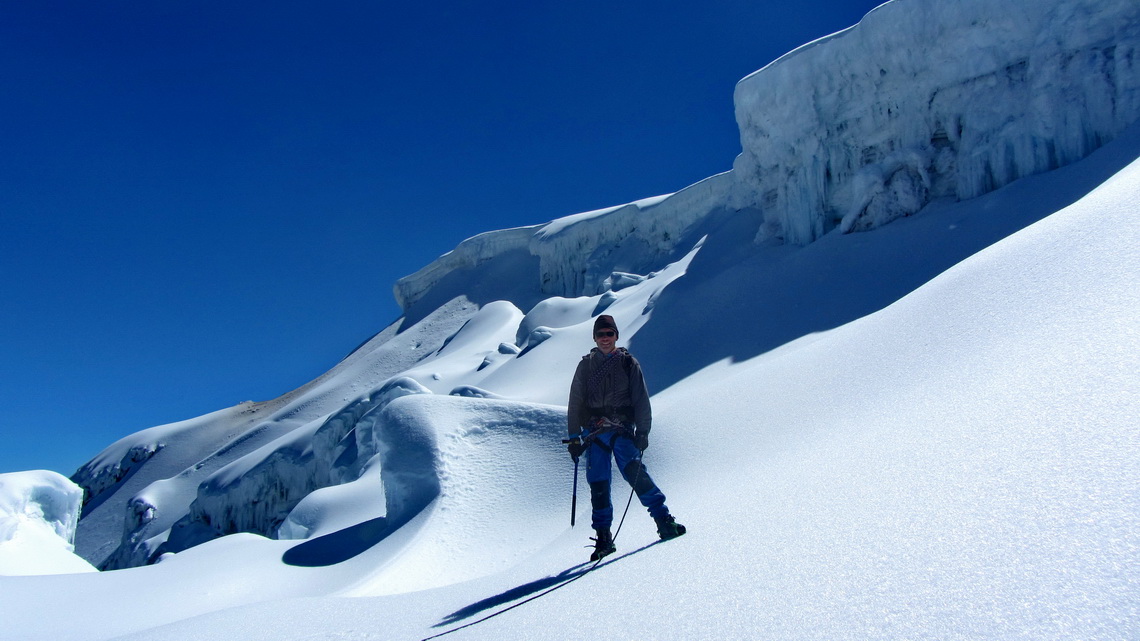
{"x":39,"y":511}
{"x":454,"y":477}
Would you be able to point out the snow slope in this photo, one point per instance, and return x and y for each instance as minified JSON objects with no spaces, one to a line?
{"x":927,"y":429}
{"x":489,"y":317}
{"x":960,"y":464}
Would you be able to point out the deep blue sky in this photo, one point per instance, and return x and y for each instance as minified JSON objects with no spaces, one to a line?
{"x":207,"y":202}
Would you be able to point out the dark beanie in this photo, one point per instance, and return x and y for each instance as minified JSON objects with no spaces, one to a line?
{"x":605,"y":321}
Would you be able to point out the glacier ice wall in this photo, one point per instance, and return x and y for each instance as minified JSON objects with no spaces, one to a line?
{"x":39,"y":498}
{"x":39,"y":511}
{"x":113,"y":465}
{"x":578,"y":255}
{"x":257,"y":492}
{"x":139,"y":488}
{"x":923,"y":100}
{"x":470,"y":253}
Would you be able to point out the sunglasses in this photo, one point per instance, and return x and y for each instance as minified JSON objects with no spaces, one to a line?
{"x":604,"y":334}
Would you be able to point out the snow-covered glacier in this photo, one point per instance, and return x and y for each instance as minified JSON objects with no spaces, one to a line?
{"x":919,"y":101}
{"x":930,"y":99}
{"x":922,"y":102}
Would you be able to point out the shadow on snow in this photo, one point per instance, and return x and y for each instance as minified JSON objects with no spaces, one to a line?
{"x":338,"y":546}
{"x":537,"y":588}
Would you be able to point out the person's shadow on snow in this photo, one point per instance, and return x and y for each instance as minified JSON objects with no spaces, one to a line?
{"x":549,"y":584}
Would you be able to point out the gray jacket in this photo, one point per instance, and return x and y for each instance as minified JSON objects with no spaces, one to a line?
{"x":619,"y":392}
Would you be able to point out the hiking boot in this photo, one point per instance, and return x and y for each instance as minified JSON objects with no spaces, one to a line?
{"x":603,"y":545}
{"x":669,"y":528}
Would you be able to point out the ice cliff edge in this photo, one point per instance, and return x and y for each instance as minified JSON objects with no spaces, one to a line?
{"x":919,"y":101}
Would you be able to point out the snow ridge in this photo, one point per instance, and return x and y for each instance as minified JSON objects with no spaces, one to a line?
{"x":102,"y":473}
{"x":257,"y":492}
{"x":579,"y":253}
{"x":851,"y":132}
{"x":919,"y":101}
{"x":468,"y":254}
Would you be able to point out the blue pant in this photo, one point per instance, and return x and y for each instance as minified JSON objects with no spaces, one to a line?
{"x":599,"y":474}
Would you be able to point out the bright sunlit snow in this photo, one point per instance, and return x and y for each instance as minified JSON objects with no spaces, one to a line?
{"x":38,"y":514}
{"x":894,"y":355}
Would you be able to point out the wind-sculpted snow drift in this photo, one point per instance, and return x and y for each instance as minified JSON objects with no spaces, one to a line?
{"x":257,"y":492}
{"x":39,"y":512}
{"x":922,"y":102}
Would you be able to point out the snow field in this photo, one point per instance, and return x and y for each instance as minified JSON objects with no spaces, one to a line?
{"x":895,"y":434}
{"x":960,"y":465}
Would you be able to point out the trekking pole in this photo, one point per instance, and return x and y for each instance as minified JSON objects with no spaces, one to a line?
{"x":632,"y":489}
{"x":574,"y":496}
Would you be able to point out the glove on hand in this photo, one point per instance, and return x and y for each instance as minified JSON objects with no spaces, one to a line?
{"x":641,"y":440}
{"x":575,"y":447}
